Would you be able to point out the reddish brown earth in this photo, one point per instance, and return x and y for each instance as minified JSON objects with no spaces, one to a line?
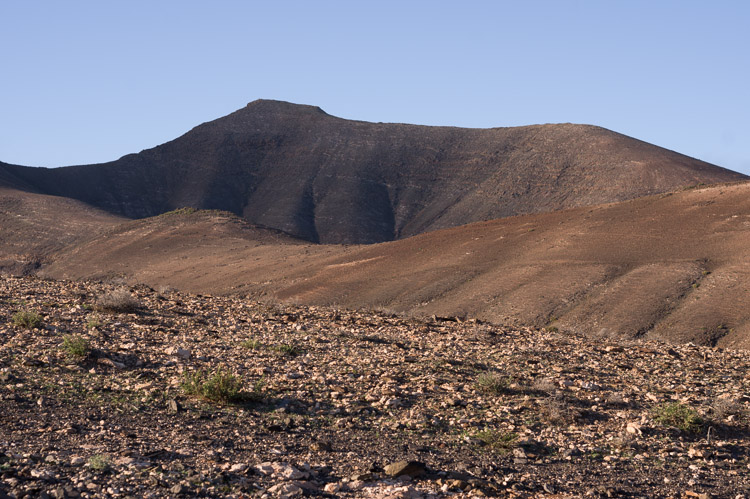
{"x":33,"y":226}
{"x":329,"y":400}
{"x":521,"y":403}
{"x":671,"y":266}
{"x":326,"y":179}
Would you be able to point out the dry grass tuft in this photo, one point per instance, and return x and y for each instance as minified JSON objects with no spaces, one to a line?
{"x":118,"y":301}
{"x":557,"y":411}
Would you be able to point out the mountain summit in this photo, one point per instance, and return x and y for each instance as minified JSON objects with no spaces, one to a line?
{"x":325,"y":179}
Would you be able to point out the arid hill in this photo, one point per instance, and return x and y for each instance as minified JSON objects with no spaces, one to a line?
{"x":671,"y":266}
{"x":325,"y":179}
{"x":33,"y":226}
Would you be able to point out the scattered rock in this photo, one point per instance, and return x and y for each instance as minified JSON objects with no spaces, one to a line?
{"x":365,"y":387}
{"x":634,"y":428}
{"x":284,"y":490}
{"x":355,"y":485}
{"x":320,"y":446}
{"x":361,"y":477}
{"x":332,"y":488}
{"x":111,"y":363}
{"x":412,"y":469}
{"x":173,"y":406}
{"x":689,"y":494}
{"x":265,"y":468}
{"x":589,"y":386}
{"x":238,"y":468}
{"x":287,"y":471}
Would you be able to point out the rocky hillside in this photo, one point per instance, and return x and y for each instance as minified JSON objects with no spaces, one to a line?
{"x":112,"y":392}
{"x":325,"y":179}
{"x":670,"y":267}
{"x":34,"y":226}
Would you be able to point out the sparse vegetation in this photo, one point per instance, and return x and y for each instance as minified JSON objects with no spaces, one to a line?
{"x":286,"y":349}
{"x":179,"y":211}
{"x":93,"y":321}
{"x":678,"y":415}
{"x":545,"y":385}
{"x":499,"y":441}
{"x":556,"y":410}
{"x":492,"y":383}
{"x":725,"y":407}
{"x":164,"y":290}
{"x":27,"y":319}
{"x":76,"y":347}
{"x":100,"y":462}
{"x":616,"y":399}
{"x":118,"y":301}
{"x":159,"y":390}
{"x":219,"y":386}
{"x":251,"y":344}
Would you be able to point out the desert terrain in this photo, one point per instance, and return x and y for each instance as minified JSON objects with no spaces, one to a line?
{"x":111,"y":391}
{"x":671,"y":267}
{"x":283,"y":303}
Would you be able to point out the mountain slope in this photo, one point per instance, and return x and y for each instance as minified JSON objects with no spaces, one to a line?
{"x":326,"y":179}
{"x":34,"y":226}
{"x":671,"y":267}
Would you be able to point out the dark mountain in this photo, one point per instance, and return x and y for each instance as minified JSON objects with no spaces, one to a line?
{"x":326,"y":179}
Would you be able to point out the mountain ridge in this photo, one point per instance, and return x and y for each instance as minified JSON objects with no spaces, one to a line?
{"x":326,"y":179}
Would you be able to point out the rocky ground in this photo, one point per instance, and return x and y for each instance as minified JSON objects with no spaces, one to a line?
{"x":108,"y":391}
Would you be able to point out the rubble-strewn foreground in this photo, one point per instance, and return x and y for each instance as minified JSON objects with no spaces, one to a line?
{"x":98,"y":403}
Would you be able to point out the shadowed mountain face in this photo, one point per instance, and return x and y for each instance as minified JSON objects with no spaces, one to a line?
{"x":295,"y":168}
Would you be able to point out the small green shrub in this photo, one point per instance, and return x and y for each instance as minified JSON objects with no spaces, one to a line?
{"x":76,"y":346}
{"x":286,"y":349}
{"x":93,"y":321}
{"x":27,"y":319}
{"x":251,"y":344}
{"x":498,"y":440}
{"x":680,"y":416}
{"x":492,"y":383}
{"x":100,"y":462}
{"x":180,"y":211}
{"x":218,"y":386}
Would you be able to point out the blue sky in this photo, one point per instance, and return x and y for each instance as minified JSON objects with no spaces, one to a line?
{"x":90,"y":81}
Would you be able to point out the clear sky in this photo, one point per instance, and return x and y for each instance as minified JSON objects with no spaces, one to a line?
{"x":89,"y":81}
